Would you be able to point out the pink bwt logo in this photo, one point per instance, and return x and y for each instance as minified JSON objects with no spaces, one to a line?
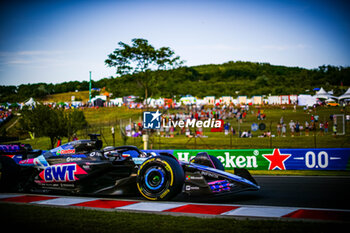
{"x":62,"y":173}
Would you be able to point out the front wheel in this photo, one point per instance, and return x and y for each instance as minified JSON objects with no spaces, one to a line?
{"x":160,"y":178}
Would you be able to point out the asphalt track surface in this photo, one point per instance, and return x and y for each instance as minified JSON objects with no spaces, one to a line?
{"x":298,"y":191}
{"x":329,"y":192}
{"x":295,"y":191}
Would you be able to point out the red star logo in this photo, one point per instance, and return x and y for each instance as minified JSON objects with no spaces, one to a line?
{"x":277,"y":159}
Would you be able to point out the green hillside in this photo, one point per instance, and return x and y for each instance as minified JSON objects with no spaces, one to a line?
{"x":231,"y":78}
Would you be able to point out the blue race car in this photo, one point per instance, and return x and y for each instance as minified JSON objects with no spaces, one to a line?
{"x":83,"y":167}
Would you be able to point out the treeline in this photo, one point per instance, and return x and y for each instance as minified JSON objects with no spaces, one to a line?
{"x":38,"y":90}
{"x":231,"y":78}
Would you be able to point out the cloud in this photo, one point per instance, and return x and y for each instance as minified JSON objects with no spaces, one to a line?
{"x":217,"y":47}
{"x":283,"y":47}
{"x":34,"y":57}
{"x":39,"y":52}
{"x":18,"y":61}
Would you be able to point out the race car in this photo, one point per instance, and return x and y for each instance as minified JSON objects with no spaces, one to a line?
{"x":83,"y":167}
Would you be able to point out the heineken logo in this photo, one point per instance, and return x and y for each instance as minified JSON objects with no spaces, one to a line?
{"x":227,"y":159}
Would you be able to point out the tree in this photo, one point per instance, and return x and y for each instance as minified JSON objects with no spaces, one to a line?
{"x":262,"y":81}
{"x":139,"y":59}
{"x":44,"y":121}
{"x":75,"y":120}
{"x":52,"y":122}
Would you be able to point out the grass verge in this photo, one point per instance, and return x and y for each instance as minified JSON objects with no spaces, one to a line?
{"x":50,"y":219}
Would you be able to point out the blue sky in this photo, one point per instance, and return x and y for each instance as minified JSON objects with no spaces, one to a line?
{"x":54,"y":41}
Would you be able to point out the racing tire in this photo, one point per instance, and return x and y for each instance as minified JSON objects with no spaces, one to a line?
{"x":217,"y":163}
{"x":9,"y":174}
{"x":160,"y":178}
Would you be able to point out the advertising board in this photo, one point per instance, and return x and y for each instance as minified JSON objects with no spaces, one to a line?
{"x":276,"y":159}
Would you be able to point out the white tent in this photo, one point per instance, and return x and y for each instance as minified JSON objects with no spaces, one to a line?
{"x":188,"y":100}
{"x":274,"y":99}
{"x":306,"y":100}
{"x":346,"y":95}
{"x":209,"y":100}
{"x":30,"y":102}
{"x":155,"y":102}
{"x":226,"y":100}
{"x":102,"y":97}
{"x":322,"y":94}
{"x":117,"y":101}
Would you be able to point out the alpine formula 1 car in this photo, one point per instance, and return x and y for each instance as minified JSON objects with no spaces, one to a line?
{"x":83,"y":167}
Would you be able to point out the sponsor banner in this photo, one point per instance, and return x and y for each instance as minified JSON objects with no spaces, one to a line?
{"x":276,"y":159}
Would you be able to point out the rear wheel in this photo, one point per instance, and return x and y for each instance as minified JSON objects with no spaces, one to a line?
{"x":9,"y":174}
{"x":160,"y":178}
